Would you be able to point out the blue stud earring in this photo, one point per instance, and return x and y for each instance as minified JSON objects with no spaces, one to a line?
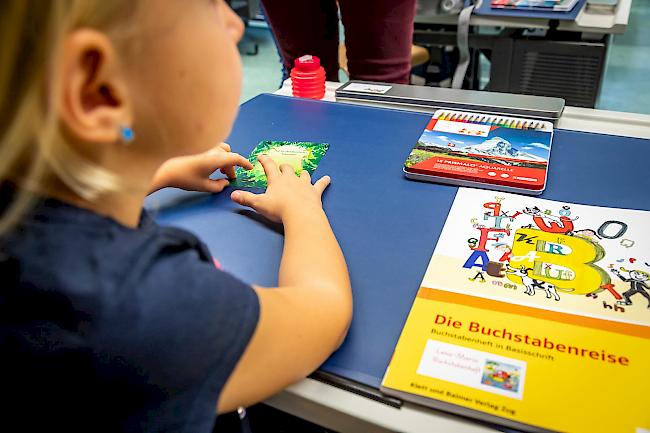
{"x":127,"y":134}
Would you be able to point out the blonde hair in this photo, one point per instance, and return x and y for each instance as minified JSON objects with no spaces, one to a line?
{"x":32,"y":148}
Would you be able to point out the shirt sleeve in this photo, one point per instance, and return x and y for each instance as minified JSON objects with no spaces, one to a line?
{"x":174,"y":332}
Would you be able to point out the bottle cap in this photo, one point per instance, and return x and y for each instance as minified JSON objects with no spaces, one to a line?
{"x":307,"y":63}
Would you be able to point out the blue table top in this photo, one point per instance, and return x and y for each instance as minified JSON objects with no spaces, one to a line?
{"x":386,"y":224}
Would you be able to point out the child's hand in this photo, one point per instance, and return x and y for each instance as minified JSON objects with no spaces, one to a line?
{"x":192,"y":172}
{"x":286,"y":192}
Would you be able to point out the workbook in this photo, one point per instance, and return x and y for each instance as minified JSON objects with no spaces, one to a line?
{"x":532,"y":314}
{"x":487,"y":151}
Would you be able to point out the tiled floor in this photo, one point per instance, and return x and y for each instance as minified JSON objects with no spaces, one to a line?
{"x":626,"y":86}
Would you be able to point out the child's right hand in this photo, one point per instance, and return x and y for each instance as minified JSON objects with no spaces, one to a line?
{"x":313,"y":293}
{"x":286,"y":193}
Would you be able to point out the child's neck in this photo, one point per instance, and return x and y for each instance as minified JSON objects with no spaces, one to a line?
{"x":124,"y":208}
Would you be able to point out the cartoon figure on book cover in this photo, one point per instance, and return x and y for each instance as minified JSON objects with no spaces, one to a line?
{"x":533,"y":284}
{"x":546,"y":254}
{"x":550,"y":223}
{"x":637,"y":280}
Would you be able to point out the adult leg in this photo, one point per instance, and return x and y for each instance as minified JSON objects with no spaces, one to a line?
{"x":285,"y":71}
{"x":306,"y":27}
{"x":378,"y":38}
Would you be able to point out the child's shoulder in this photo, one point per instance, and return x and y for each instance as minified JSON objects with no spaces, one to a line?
{"x":93,"y":300}
{"x":79,"y":244}
{"x":70,"y":249}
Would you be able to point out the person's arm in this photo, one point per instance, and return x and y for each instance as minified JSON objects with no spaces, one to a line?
{"x":619,"y":275}
{"x":193,"y":172}
{"x":306,"y":318}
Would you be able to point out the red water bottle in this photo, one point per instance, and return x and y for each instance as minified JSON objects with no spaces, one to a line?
{"x":308,"y":78}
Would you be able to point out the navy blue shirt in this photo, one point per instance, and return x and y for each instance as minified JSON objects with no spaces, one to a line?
{"x":108,"y":328}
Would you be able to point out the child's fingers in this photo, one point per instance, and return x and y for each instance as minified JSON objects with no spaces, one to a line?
{"x":304,"y":175}
{"x":224,"y":146}
{"x":270,"y":167}
{"x":244,"y":198}
{"x":215,"y":185}
{"x":286,"y":169}
{"x":322,"y":183}
{"x":229,"y":171}
{"x":219,"y":148}
{"x":229,"y":159}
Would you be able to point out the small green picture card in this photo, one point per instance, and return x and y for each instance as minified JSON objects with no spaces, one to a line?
{"x":301,"y":155}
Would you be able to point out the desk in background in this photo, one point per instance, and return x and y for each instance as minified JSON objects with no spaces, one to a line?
{"x":536,"y":56}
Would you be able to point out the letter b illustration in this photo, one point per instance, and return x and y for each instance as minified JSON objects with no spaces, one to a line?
{"x":579,"y":257}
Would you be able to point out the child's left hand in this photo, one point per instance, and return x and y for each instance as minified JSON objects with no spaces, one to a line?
{"x":192,"y":172}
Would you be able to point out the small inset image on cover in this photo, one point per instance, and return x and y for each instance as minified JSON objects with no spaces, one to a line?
{"x":501,"y":375}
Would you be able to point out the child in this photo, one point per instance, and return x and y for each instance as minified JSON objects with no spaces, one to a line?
{"x":109,"y":322}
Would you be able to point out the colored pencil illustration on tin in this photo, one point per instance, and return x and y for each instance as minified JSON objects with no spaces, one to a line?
{"x":484,"y":150}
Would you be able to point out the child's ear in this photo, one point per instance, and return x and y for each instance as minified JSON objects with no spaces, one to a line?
{"x":94,"y":103}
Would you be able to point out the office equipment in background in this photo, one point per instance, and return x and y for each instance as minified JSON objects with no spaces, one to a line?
{"x":605,"y":7}
{"x":542,"y":5}
{"x":545,"y":53}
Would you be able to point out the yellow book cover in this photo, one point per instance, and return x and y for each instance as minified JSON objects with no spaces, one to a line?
{"x":533,"y":314}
